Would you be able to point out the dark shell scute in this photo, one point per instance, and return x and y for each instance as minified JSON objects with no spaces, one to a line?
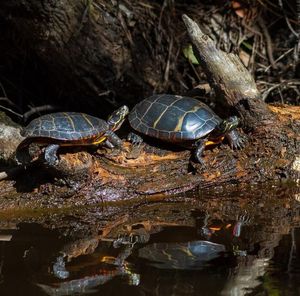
{"x":165,"y":100}
{"x":142,"y":110}
{"x":192,"y":123}
{"x":135,"y":121}
{"x":169,"y":119}
{"x":188,"y":105}
{"x":64,"y":123}
{"x":81,"y":124}
{"x":47,"y":125}
{"x":55,"y":135}
{"x":153,"y":113}
{"x":44,"y":133}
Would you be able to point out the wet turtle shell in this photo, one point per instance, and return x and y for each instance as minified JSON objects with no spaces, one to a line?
{"x":66,"y":127}
{"x":173,"y":118}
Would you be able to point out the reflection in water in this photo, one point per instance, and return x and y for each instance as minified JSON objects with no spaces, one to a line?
{"x":59,"y":268}
{"x":217,"y":246}
{"x":246,"y":278}
{"x":189,"y":255}
{"x":82,"y":277}
{"x":88,"y":284}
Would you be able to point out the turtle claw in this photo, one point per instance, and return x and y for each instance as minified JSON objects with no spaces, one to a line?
{"x":240,"y":142}
{"x":52,"y":161}
{"x":243,"y":219}
{"x":134,"y":139}
{"x":236,"y":140}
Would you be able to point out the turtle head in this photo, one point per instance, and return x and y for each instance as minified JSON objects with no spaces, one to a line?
{"x":116,"y":119}
{"x":227,"y":125}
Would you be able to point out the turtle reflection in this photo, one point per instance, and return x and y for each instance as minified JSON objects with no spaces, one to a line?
{"x":185,"y":255}
{"x":123,"y":256}
{"x":84,"y":277}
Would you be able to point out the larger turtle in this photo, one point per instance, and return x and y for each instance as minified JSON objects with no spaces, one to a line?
{"x":71,"y":128}
{"x":184,"y":121}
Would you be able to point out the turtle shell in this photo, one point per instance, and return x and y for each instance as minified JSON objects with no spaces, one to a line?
{"x":66,"y":126}
{"x":173,"y":118}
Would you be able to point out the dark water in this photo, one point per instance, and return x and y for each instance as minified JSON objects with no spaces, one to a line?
{"x":244,"y":244}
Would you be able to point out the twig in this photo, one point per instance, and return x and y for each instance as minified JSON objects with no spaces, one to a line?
{"x":11,"y":111}
{"x":269,"y":45}
{"x":33,"y":110}
{"x":167,"y":69}
{"x":3,"y":90}
{"x":161,"y":13}
{"x":281,"y":57}
{"x":5,"y":98}
{"x":195,"y":71}
{"x":267,"y":92}
{"x":105,"y":93}
{"x":252,"y":57}
{"x":287,"y":19}
{"x":125,"y":29}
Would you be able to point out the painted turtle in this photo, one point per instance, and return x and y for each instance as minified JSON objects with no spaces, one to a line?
{"x":184,"y":121}
{"x":71,"y":128}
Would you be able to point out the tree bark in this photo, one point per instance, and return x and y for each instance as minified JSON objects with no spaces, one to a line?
{"x":94,"y":53}
{"x":232,"y":82}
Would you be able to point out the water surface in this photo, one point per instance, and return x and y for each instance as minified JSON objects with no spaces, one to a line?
{"x":247,"y":243}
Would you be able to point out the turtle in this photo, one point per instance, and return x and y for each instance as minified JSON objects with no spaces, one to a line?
{"x":184,"y":121}
{"x":72,"y":128}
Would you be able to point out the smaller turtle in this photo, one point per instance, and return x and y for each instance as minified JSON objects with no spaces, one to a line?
{"x":183,"y":121}
{"x":72,"y":129}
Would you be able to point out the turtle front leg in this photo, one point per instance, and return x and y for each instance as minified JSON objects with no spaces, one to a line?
{"x":134,"y":139}
{"x":200,"y":146}
{"x":50,"y":154}
{"x":108,"y":144}
{"x":112,"y":140}
{"x":236,"y":141}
